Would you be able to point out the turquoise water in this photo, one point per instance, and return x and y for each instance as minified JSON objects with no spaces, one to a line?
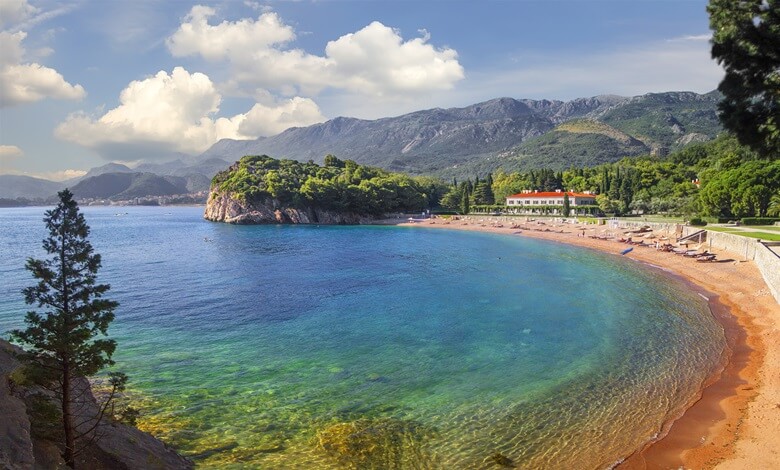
{"x":383,"y":347}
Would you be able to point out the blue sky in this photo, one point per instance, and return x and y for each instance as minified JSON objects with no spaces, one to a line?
{"x":86,"y":82}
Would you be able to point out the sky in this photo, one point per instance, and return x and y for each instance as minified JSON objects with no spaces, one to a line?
{"x":87,"y":82}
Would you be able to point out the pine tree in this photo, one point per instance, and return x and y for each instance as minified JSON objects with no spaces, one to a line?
{"x":746,"y":41}
{"x":62,"y":341}
{"x":566,"y":204}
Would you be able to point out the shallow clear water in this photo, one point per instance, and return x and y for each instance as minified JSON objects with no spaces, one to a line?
{"x":382,"y":347}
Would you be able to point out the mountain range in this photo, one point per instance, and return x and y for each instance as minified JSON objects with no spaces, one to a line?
{"x":501,"y":133}
{"x":120,"y":182}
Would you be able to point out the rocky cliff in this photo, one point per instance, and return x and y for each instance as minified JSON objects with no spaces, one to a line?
{"x":227,"y":207}
{"x":27,"y":435}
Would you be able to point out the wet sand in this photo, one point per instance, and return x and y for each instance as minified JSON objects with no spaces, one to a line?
{"x":735,"y":422}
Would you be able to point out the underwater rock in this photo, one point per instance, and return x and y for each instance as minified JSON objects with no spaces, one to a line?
{"x":385,"y":443}
{"x":503,"y":460}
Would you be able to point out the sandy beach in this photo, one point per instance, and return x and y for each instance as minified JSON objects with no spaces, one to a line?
{"x":735,"y":423}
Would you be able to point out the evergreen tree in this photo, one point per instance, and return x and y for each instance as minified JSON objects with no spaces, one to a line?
{"x":464,"y":202}
{"x":566,"y":205}
{"x":490,"y":198}
{"x":746,"y":41}
{"x":62,"y":340}
{"x":483,"y":194}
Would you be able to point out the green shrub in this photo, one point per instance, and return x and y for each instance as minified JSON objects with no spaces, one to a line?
{"x":697,"y":222}
{"x":45,"y":417}
{"x":760,"y":220}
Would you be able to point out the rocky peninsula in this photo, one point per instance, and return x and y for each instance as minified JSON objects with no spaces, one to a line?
{"x":263,"y":190}
{"x":232,"y":209}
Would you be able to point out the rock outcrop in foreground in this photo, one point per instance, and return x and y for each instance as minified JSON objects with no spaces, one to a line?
{"x":25,"y":441}
{"x":228,"y":208}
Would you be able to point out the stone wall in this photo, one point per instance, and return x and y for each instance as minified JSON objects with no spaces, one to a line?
{"x":764,"y":254}
{"x":742,"y":247}
{"x":768,"y":262}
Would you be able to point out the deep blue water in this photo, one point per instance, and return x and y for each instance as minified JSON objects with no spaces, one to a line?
{"x":264,"y":342}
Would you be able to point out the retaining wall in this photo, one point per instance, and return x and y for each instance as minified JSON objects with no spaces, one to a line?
{"x":768,"y":262}
{"x":764,"y":254}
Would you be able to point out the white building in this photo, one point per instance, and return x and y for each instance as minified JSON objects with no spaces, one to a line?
{"x":538,"y":201}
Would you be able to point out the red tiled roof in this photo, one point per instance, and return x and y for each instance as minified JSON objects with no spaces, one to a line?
{"x":549,"y":194}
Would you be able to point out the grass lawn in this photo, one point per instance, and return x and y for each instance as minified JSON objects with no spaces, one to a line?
{"x":771,"y":228}
{"x":771,"y":237}
{"x":654,"y":218}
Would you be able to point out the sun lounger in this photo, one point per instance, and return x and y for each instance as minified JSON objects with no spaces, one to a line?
{"x":706,"y":258}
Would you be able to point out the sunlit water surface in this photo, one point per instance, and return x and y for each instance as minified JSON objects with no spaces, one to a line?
{"x":382,"y":347}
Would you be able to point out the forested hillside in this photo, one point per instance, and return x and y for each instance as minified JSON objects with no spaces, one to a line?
{"x":339,"y":186}
{"x":720,"y":179}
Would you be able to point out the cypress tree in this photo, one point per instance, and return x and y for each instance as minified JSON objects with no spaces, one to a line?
{"x":464,"y":203}
{"x":566,"y":205}
{"x":62,"y":340}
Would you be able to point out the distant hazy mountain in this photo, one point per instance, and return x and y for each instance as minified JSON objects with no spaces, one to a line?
{"x":128,"y":185}
{"x":196,"y":173}
{"x":503,"y":132}
{"x":17,"y":186}
{"x":107,"y":168}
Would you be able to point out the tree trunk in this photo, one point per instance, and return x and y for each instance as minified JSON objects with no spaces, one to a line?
{"x":67,"y":419}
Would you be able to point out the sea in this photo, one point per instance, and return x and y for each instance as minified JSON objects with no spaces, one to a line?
{"x":382,"y":347}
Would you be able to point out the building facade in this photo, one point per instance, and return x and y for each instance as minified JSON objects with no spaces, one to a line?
{"x":550,"y":202}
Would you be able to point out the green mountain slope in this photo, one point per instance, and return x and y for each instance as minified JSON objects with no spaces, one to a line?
{"x":667,"y":121}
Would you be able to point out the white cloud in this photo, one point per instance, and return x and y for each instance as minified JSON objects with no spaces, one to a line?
{"x":196,"y":36}
{"x":376,"y":60}
{"x":29,"y":82}
{"x":372,"y":61}
{"x":15,"y":11}
{"x":10,"y":152}
{"x":695,"y":37}
{"x":166,"y":113}
{"x":681,"y":65}
{"x":61,"y":175}
{"x":264,"y":120}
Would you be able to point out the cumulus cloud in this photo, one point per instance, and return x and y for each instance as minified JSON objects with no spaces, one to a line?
{"x":264,"y":120}
{"x":10,"y":152}
{"x":175,"y":112}
{"x":375,"y":60}
{"x":29,"y":82}
{"x":197,"y":36}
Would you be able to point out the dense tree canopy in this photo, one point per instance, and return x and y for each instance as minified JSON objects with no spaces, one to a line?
{"x":746,"y":41}
{"x":342,"y":186}
{"x":720,"y":178}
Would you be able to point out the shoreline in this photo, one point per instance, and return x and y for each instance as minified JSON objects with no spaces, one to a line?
{"x":734,"y":420}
